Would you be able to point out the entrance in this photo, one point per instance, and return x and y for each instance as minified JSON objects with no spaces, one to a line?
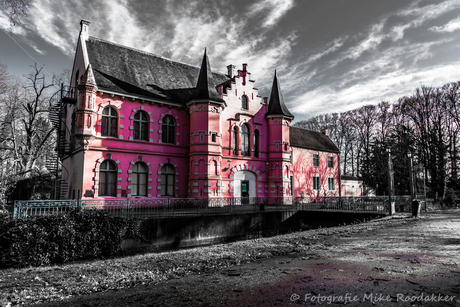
{"x":244,"y":184}
{"x":245,"y":188}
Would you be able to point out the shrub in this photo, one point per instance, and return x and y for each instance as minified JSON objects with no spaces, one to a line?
{"x":79,"y":234}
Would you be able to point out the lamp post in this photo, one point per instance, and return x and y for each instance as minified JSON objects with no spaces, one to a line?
{"x":390,"y":183}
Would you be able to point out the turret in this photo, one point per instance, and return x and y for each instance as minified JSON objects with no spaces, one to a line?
{"x":85,"y":114}
{"x":279,"y":151}
{"x":205,"y":109}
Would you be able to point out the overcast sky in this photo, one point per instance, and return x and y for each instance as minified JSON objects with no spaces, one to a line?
{"x":330,"y":55}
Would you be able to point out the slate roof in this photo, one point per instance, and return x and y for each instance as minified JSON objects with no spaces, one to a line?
{"x":276,"y":104}
{"x":299,"y":137}
{"x":205,"y":87}
{"x":126,"y":70}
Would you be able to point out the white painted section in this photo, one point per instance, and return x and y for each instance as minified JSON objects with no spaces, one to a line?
{"x":244,"y":175}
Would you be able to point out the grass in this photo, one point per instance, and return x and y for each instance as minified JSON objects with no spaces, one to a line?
{"x":54,"y":283}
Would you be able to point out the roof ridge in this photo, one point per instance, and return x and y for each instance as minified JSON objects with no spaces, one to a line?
{"x":149,"y":53}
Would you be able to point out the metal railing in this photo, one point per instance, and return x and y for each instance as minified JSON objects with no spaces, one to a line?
{"x":156,"y":207}
{"x":173,"y":207}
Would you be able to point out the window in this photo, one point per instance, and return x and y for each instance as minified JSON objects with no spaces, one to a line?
{"x":139,"y":179}
{"x":109,"y":125}
{"x":316,"y":183}
{"x":201,"y":137}
{"x":235,"y":141}
{"x":292,"y":185}
{"x":108,"y":178}
{"x":315,"y":160}
{"x":330,"y":161}
{"x":167,"y":180}
{"x":291,"y":157}
{"x":256,"y":143}
{"x":245,"y":148}
{"x":141,"y":126}
{"x":330,"y":183}
{"x":213,"y":137}
{"x":168,"y":129}
{"x":244,"y":102}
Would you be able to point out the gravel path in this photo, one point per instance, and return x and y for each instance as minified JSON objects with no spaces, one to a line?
{"x":391,"y":262}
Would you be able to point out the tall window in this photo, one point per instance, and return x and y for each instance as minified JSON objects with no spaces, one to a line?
{"x":109,"y":126}
{"x":244,"y":102}
{"x":245,"y":148}
{"x":256,"y":143}
{"x":167,"y":180}
{"x":315,"y":160}
{"x":108,"y":178}
{"x":316,"y":183}
{"x":139,"y":179}
{"x":330,"y":183}
{"x":330,"y":162}
{"x":235,"y":141}
{"x":168,"y":130}
{"x":292,"y":185}
{"x":141,"y":126}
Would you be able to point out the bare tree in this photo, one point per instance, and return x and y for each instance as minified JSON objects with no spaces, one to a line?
{"x":15,"y":9}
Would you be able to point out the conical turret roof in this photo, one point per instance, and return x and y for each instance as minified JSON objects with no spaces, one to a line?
{"x":205,"y":87}
{"x":276,"y":106}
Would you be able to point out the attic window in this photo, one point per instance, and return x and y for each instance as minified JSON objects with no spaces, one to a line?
{"x":244,"y":102}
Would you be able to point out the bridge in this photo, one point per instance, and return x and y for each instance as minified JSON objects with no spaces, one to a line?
{"x":132,"y":208}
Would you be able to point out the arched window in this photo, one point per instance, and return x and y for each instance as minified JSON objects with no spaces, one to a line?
{"x":256,"y":143}
{"x":108,"y":178}
{"x":244,"y":102}
{"x":109,"y":126}
{"x":167,"y":180}
{"x":141,"y":126}
{"x":139,"y":179}
{"x":235,"y":141}
{"x":168,"y":129}
{"x":245,"y":148}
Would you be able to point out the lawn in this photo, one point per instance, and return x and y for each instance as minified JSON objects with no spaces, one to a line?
{"x":54,"y":283}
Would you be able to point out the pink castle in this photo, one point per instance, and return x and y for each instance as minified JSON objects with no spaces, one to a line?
{"x":148,"y":127}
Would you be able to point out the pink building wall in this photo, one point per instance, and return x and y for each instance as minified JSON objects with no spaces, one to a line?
{"x":202,"y":155}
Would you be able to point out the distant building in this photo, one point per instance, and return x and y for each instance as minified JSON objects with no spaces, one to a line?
{"x":352,"y":186}
{"x":148,"y":127}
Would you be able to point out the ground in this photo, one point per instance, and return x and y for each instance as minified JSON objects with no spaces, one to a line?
{"x":390,"y":262}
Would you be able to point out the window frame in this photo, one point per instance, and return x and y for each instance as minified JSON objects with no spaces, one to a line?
{"x":330,"y":161}
{"x":235,"y":141}
{"x":245,"y":140}
{"x":168,"y":130}
{"x":244,"y":102}
{"x":136,"y":179}
{"x":256,"y":143}
{"x":108,"y":121}
{"x":316,"y":183}
{"x":315,"y":161}
{"x":330,"y":182}
{"x":105,"y":186}
{"x":167,"y":180}
{"x":141,"y":132}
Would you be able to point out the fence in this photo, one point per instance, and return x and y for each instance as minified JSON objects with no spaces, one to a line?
{"x":170,"y":207}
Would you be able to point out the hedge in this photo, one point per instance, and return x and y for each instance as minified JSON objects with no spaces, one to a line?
{"x":45,"y":240}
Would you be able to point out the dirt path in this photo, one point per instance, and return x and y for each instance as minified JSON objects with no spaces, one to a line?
{"x":414,"y":264}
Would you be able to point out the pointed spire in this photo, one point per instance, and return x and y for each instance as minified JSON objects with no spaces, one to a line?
{"x":276,"y":106}
{"x":205,"y":88}
{"x":88,"y":77}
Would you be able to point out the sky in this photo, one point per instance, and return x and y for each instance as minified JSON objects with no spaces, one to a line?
{"x":329,"y":55}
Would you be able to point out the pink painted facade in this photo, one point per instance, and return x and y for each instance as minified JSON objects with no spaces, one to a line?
{"x":164,"y":129}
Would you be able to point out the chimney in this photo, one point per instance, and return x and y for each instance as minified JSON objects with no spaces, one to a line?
{"x":323,"y":131}
{"x":84,"y":29}
{"x":231,"y":70}
{"x":245,"y":67}
{"x":265,"y":100}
